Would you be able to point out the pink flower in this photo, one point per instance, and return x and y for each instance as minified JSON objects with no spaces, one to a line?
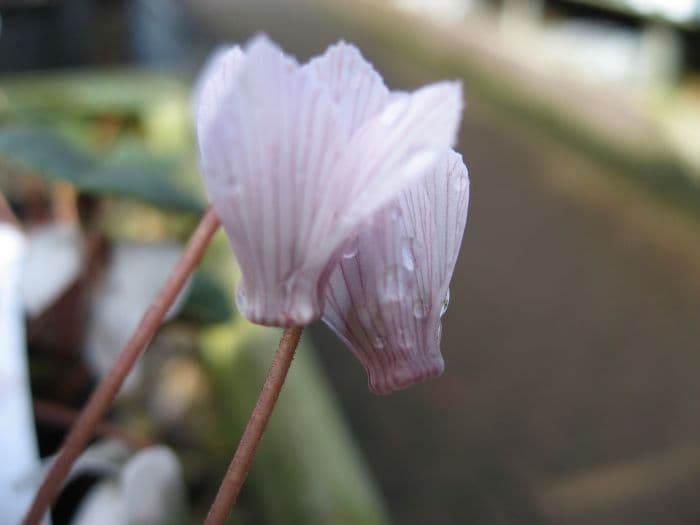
{"x":386,"y":296}
{"x":297,"y":158}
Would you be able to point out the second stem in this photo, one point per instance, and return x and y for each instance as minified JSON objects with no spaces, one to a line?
{"x":240,"y":464}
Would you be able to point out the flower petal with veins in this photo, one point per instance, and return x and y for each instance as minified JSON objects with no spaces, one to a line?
{"x":297,"y":158}
{"x":387,"y":295}
{"x":213,"y":84}
{"x":352,"y":82}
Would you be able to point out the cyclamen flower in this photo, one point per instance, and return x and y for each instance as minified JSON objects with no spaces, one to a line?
{"x":297,"y":158}
{"x":387,"y":295}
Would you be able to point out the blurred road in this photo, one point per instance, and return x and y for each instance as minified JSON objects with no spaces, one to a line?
{"x":572,"y":342}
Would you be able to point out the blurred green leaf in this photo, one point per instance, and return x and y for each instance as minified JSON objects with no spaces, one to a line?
{"x":308,"y":470}
{"x":207,"y":302}
{"x":131,"y":173}
{"x":124,"y":92}
{"x":145,"y":179}
{"x":45,"y":154}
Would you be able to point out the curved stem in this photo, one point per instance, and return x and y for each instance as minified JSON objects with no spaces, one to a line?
{"x":106,"y":391}
{"x":240,"y":464}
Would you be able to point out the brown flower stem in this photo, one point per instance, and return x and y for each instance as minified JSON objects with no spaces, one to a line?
{"x":240,"y":464}
{"x":63,"y":416}
{"x":103,"y":396}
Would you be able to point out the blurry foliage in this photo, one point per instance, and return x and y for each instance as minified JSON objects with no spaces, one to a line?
{"x":122,"y":140}
{"x":44,"y":153}
{"x":125,"y":92}
{"x":122,"y":134}
{"x":307,"y":470}
{"x":207,"y":302}
{"x":134,"y":174}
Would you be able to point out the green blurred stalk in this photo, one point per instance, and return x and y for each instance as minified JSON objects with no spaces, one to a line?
{"x":307,"y":469}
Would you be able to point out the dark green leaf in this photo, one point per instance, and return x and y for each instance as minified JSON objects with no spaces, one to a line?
{"x":146,"y":179}
{"x":132,"y":174}
{"x":207,"y":302}
{"x":44,"y":153}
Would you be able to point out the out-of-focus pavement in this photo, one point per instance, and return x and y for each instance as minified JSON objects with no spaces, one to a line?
{"x":572,"y":342}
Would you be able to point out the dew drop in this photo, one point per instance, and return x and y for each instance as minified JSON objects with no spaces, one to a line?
{"x":445,"y":303}
{"x":407,"y":257}
{"x":420,"y":310}
{"x":350,"y":248}
{"x":377,"y":342}
{"x":303,"y":311}
{"x":392,"y":289}
{"x":290,"y":285}
{"x":395,"y":213}
{"x":241,"y":298}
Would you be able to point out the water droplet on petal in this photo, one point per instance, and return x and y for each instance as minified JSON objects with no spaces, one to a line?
{"x":290,"y":284}
{"x":420,"y":309}
{"x":378,"y":342}
{"x":303,"y":311}
{"x":407,"y":257}
{"x":445,"y":303}
{"x":241,"y":298}
{"x":395,"y":213}
{"x":350,"y":248}
{"x":392,"y":286}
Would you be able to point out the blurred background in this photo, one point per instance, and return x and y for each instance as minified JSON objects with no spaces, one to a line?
{"x":572,"y":341}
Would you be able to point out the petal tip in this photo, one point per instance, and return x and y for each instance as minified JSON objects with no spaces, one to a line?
{"x":263,"y":49}
{"x":261,"y":40}
{"x":404,"y":374}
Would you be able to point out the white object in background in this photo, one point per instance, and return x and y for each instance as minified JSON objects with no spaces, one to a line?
{"x":54,"y":261}
{"x":446,"y":12}
{"x":662,"y":52}
{"x":679,"y":11}
{"x":18,"y":448}
{"x":104,"y":458}
{"x":149,"y":490}
{"x":134,"y":275}
{"x":597,"y":54}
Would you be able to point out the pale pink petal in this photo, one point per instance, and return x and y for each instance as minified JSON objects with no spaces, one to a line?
{"x":386,"y":296}
{"x":215,"y":83}
{"x":353,"y":83}
{"x":271,"y":144}
{"x":288,"y":183}
{"x":401,"y":144}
